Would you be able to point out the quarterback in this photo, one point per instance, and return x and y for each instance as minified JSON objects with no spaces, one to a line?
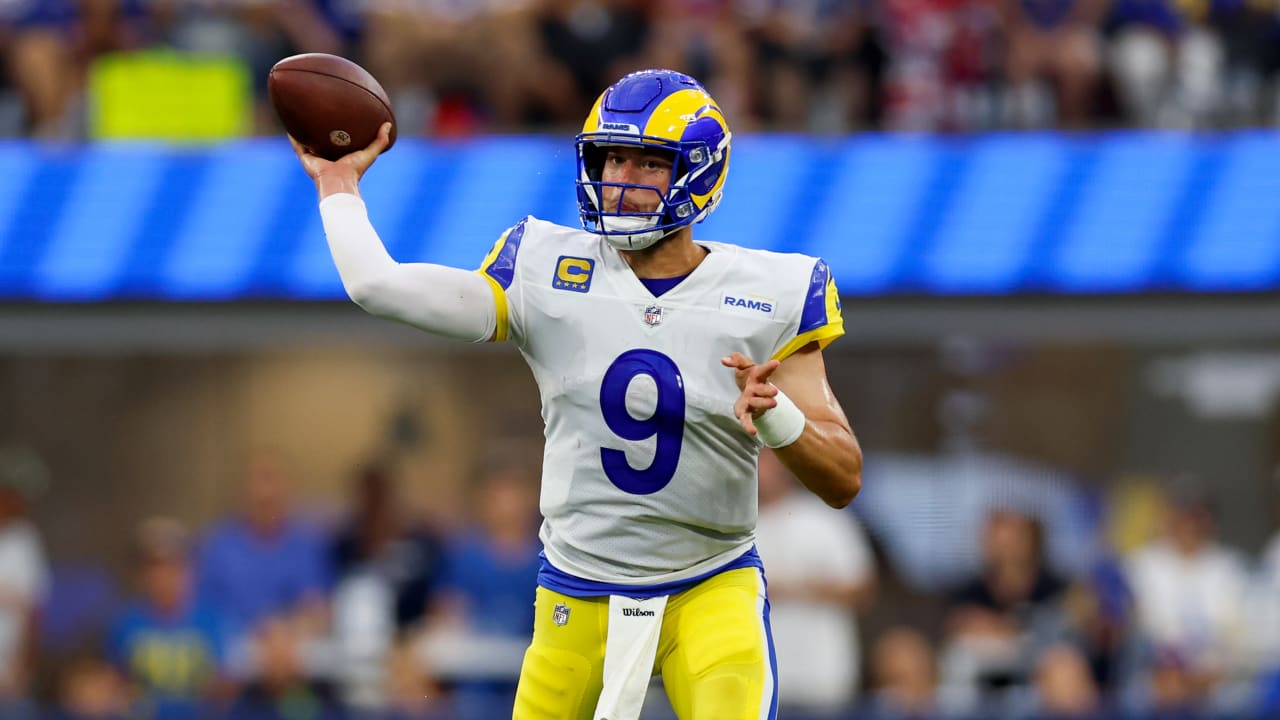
{"x":663,"y":365}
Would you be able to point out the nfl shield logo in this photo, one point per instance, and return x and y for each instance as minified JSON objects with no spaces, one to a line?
{"x":652,"y":315}
{"x":560,"y":615}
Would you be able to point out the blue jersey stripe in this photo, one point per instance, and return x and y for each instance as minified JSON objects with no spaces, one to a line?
{"x":552,"y":578}
{"x":814,"y":314}
{"x":503,"y":266}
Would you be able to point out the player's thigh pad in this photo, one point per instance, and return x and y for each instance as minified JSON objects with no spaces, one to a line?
{"x":563,"y":668}
{"x":716,"y":650}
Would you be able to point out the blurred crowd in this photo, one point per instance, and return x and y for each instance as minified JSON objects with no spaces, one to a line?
{"x":471,"y":66}
{"x":272,"y":613}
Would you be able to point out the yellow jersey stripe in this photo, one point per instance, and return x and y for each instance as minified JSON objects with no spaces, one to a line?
{"x":500,"y":305}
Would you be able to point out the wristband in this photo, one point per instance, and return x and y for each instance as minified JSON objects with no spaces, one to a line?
{"x":781,"y":425}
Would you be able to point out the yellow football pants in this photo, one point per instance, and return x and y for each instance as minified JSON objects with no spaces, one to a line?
{"x":714,"y":652}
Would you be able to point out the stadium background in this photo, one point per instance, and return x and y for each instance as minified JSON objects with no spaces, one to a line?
{"x":1053,"y":224}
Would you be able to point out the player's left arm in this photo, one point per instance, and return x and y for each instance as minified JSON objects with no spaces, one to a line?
{"x":825,"y":454}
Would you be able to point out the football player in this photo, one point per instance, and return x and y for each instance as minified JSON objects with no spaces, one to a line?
{"x":663,"y":364}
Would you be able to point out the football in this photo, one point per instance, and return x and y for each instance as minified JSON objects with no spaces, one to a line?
{"x":328,"y":103}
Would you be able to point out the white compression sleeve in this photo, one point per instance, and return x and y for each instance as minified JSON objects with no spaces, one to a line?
{"x":446,"y":301}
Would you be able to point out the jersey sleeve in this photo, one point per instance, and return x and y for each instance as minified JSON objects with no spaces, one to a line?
{"x":819,"y":319}
{"x":499,"y":268}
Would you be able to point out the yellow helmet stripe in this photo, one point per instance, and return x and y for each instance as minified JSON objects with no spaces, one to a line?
{"x":592,"y":123}
{"x":676,"y":112}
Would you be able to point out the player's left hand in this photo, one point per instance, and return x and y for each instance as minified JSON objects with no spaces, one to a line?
{"x":758,"y":394}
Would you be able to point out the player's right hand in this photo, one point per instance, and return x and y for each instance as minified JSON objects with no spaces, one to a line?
{"x":345,"y":170}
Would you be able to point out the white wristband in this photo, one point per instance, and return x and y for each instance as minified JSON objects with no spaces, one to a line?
{"x":781,"y":425}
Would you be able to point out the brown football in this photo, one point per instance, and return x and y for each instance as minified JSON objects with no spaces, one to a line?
{"x":328,"y":103}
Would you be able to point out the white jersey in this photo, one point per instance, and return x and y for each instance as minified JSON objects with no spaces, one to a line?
{"x":648,"y":477}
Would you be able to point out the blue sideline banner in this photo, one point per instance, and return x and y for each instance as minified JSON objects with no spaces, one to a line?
{"x":915,"y":215}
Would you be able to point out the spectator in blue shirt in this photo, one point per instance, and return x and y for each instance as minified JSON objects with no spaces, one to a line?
{"x":491,"y":565}
{"x":491,"y":569}
{"x":265,"y":562}
{"x":163,"y":642}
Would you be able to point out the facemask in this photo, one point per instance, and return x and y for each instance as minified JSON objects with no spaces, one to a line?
{"x":632,"y":232}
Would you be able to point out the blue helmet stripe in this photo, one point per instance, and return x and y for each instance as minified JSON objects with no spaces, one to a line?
{"x":814,"y":314}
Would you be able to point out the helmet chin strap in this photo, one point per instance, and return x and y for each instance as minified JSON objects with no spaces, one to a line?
{"x":631,"y":233}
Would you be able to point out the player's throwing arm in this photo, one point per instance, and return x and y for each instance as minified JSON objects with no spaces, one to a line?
{"x":339,"y":122}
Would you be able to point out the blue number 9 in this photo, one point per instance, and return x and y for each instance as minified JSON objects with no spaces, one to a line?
{"x":667,"y":421}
